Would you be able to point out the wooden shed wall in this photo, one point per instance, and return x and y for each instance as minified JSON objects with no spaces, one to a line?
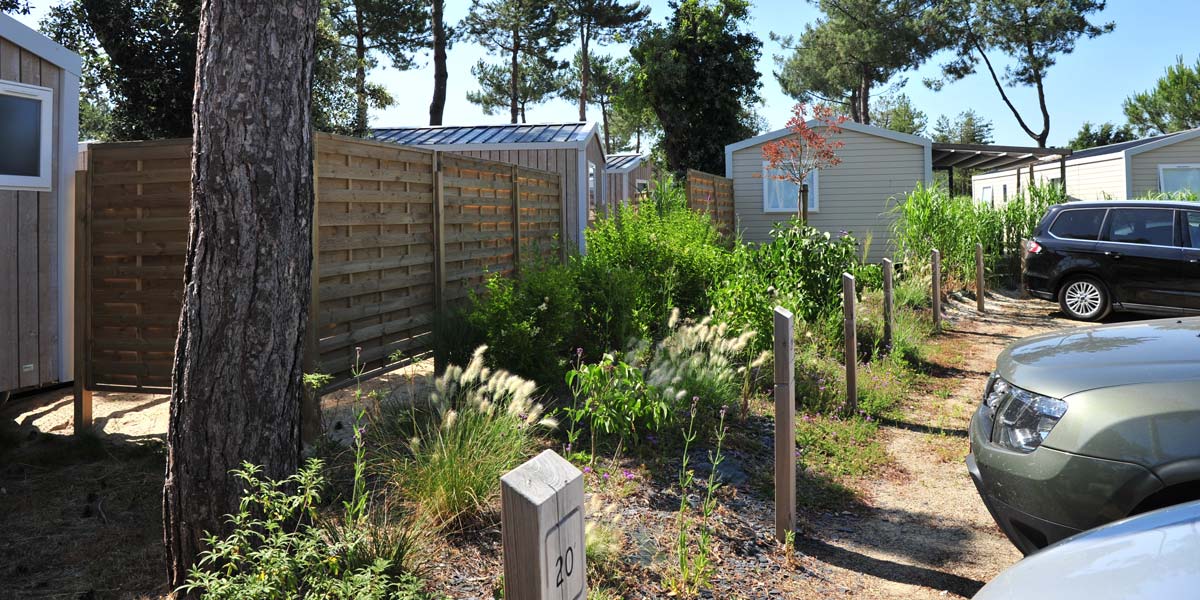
{"x":623,"y":186}
{"x":29,"y":260}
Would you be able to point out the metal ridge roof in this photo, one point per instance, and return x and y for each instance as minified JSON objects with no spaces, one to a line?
{"x":520,"y":133}
{"x":622,"y":161}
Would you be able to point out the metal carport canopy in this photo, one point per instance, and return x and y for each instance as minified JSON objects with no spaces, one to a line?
{"x":989,"y":157}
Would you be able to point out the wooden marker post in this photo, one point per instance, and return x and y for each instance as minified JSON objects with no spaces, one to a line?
{"x":541,"y":527}
{"x":889,"y":304}
{"x":980,"y":289}
{"x":785,"y":424}
{"x":848,"y":302}
{"x":937,"y":291}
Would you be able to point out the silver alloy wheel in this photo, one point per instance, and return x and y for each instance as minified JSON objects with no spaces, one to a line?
{"x":1084,"y":298}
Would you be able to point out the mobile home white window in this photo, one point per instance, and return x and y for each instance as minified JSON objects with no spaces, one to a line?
{"x":25,"y":136}
{"x":1179,"y":178}
{"x":987,"y":196}
{"x":781,"y":195}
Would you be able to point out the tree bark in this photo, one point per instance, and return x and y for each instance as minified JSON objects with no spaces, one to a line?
{"x":515,"y":76}
{"x":440,"y":75}
{"x":236,"y":385}
{"x":584,"y":68}
{"x":360,"y":73}
{"x":604,"y":118}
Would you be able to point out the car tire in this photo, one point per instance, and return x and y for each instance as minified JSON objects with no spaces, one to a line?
{"x":1084,"y":299}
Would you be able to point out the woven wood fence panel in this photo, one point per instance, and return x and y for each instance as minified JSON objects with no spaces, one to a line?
{"x":713,"y":195}
{"x":400,"y":232}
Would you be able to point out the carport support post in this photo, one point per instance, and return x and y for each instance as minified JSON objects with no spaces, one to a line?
{"x":83,"y":396}
{"x":888,"y":305}
{"x":979,"y":285}
{"x":936,"y":261}
{"x":785,"y":424}
{"x":851,"y":344}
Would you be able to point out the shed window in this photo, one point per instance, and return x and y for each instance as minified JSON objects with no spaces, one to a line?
{"x":1179,"y":178}
{"x":987,"y":195}
{"x":641,"y":187}
{"x":591,"y":191}
{"x":781,"y":195}
{"x":25,"y":132}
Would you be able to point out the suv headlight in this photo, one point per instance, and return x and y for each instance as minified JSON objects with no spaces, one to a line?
{"x":1022,"y":419}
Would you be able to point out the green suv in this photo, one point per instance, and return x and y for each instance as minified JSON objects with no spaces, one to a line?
{"x":1087,"y":426}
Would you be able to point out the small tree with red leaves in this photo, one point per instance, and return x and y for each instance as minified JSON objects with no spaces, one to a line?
{"x":807,"y":149}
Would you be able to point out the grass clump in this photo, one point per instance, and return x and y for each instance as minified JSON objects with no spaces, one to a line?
{"x":479,"y":424}
{"x":838,"y":447}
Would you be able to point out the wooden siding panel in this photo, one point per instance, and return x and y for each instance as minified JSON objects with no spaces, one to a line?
{"x":1144,"y":166}
{"x":853,"y":196}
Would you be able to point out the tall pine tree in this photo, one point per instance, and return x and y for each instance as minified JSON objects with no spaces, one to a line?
{"x":526,"y":32}
{"x":600,"y":21}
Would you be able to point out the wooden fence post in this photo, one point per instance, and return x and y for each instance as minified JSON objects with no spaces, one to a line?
{"x":980,"y":288}
{"x":310,"y":411}
{"x":785,"y":424}
{"x":851,"y":343}
{"x":936,"y":261}
{"x":83,"y":395}
{"x":439,"y":235}
{"x":889,"y":305}
{"x":541,"y":529}
{"x":516,"y":221}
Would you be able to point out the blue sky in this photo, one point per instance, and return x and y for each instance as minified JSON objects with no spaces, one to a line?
{"x":1088,"y":85}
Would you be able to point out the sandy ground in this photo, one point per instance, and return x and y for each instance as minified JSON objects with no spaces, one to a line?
{"x":925,"y":533}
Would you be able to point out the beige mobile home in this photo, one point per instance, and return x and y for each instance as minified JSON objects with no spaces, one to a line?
{"x":627,"y":175}
{"x":39,"y":128}
{"x":1165,"y":163}
{"x":572,"y":150}
{"x":877,"y":165}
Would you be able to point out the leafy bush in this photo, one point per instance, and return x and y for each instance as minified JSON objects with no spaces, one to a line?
{"x":819,"y":379}
{"x":614,"y":307}
{"x":479,"y":424}
{"x":276,"y":549}
{"x":696,"y":359}
{"x":800,"y":269}
{"x":678,"y":253}
{"x":528,"y":321}
{"x":611,"y":398}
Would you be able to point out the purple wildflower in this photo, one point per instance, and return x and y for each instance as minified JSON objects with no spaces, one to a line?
{"x":587,"y":469}
{"x":605,"y":476}
{"x":628,"y":474}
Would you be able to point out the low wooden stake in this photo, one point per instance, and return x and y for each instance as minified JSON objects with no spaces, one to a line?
{"x":980,"y":288}
{"x":541,"y":529}
{"x":848,"y":301}
{"x":785,"y":424}
{"x":888,"y":305}
{"x":937,"y":291}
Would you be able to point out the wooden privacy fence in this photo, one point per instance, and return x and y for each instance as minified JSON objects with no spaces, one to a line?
{"x":399,"y":233}
{"x":712,"y":194}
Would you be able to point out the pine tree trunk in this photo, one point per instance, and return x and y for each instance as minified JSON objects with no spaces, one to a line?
{"x":440,"y":75}
{"x":584,"y":73}
{"x":515,"y":76}
{"x":360,"y":74}
{"x":236,"y":385}
{"x":607,"y":137}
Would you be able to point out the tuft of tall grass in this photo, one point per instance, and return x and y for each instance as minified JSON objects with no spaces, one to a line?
{"x":447,"y":457}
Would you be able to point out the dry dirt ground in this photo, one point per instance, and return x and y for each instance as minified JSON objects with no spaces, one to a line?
{"x":81,"y":518}
{"x":924,"y":533}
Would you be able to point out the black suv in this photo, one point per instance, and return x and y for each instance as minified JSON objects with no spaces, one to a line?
{"x":1095,"y":257}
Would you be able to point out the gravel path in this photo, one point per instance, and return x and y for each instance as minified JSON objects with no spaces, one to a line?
{"x":924,"y":532}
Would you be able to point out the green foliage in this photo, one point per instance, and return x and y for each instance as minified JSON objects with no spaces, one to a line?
{"x":898,"y":114}
{"x":882,"y":386}
{"x":279,"y":548}
{"x":676,"y":252}
{"x":800,"y":270}
{"x":820,"y":386}
{"x":694,"y":570}
{"x":929,"y":218}
{"x":599,"y":21}
{"x":840,"y":447}
{"x":448,"y":457}
{"x":855,"y":46}
{"x":698,"y":73}
{"x":967,"y":128}
{"x":539,"y":81}
{"x":1171,"y":105}
{"x":1031,"y":33}
{"x":701,"y":360}
{"x":527,"y":32}
{"x":611,"y":398}
{"x":1176,"y":196}
{"x":528,"y":321}
{"x":1104,"y":134}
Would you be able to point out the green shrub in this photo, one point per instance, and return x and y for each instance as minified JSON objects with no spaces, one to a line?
{"x":454,"y":336}
{"x":800,"y":269}
{"x":615,"y":307}
{"x":611,"y":398}
{"x":678,"y":253}
{"x":819,"y":379}
{"x":697,"y":359}
{"x":276,"y":549}
{"x":528,"y":321}
{"x":448,"y":457}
